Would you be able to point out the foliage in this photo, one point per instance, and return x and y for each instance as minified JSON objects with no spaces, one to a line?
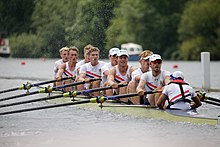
{"x":50,"y":19}
{"x":175,"y":29}
{"x":152,"y":24}
{"x":91,"y":22}
{"x":15,"y":15}
{"x":26,"y":45}
{"x":199,"y":29}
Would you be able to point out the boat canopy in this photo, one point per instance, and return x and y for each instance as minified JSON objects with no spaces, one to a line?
{"x":132,"y":48}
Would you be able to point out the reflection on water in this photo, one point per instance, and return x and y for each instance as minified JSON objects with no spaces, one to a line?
{"x":75,"y":126}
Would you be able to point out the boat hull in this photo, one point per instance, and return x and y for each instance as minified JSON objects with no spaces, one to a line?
{"x":148,"y":112}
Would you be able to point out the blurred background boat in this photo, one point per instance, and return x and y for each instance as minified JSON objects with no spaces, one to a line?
{"x":133,"y":50}
{"x":4,"y":45}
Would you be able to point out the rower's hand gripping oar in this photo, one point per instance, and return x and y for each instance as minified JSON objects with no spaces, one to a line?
{"x":67,"y":94}
{"x":99,"y":99}
{"x":49,"y":89}
{"x":28,"y":85}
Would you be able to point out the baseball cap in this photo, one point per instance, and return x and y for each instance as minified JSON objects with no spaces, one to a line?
{"x":146,"y":58}
{"x":113,"y":51}
{"x":122,"y":52}
{"x":177,"y":75}
{"x":155,"y":57}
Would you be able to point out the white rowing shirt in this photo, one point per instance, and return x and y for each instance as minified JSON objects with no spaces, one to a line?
{"x":92,"y":71}
{"x":57,"y":63}
{"x":78,"y":65}
{"x":154,"y":82}
{"x":119,"y":78}
{"x":173,"y":92}
{"x":136,"y":73}
{"x":104,"y":68}
{"x":68,"y":72}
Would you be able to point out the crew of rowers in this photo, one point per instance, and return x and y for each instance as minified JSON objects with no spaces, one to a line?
{"x":176,"y":93}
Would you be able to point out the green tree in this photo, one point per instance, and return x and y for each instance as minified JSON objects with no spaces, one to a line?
{"x":153,"y":24}
{"x":50,"y":18}
{"x":199,"y":29}
{"x":15,"y":15}
{"x":91,"y":22}
{"x":26,"y":45}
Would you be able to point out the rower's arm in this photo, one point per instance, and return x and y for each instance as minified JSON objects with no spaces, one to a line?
{"x":167,"y":80}
{"x":111,"y":76}
{"x":161,"y":101}
{"x":82,"y":77}
{"x":61,"y":69}
{"x":140,"y":87}
{"x":197,"y":103}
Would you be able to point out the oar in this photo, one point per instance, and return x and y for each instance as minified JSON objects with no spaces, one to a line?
{"x":202,"y":96}
{"x":28,"y":85}
{"x":132,"y":106}
{"x":67,"y":94}
{"x":51,"y":106}
{"x":99,"y":99}
{"x":212,"y":99}
{"x":211,"y":102}
{"x":48,"y":89}
{"x":115,"y":97}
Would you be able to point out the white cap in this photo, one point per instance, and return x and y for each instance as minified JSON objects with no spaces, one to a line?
{"x":113,"y":51}
{"x":177,"y":75}
{"x":155,"y":57}
{"x":122,"y":52}
{"x":146,"y":58}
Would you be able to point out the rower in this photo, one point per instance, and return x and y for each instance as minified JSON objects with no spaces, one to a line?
{"x":68,"y":69}
{"x":113,"y":62}
{"x":155,"y":79}
{"x":179,"y":94}
{"x":91,"y":70}
{"x":64,"y":58}
{"x":136,"y":75}
{"x":120,"y":74}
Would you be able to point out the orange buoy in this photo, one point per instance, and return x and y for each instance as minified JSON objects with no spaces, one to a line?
{"x":175,"y":66}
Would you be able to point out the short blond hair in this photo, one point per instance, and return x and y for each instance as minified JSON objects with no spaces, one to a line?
{"x":87,"y":47}
{"x":64,"y":49}
{"x":74,"y":49}
{"x":145,"y":53}
{"x":93,"y":49}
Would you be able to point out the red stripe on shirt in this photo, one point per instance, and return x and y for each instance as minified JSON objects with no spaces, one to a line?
{"x":119,"y":78}
{"x":70,"y":74}
{"x":151,"y":85}
{"x":175,"y":97}
{"x":93,"y":74}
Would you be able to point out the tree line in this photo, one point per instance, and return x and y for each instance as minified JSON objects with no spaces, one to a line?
{"x":178,"y":30}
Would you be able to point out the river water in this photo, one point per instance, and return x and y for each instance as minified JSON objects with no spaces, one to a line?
{"x":75,"y":126}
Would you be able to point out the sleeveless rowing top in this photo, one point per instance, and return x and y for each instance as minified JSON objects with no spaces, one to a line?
{"x":119,"y":78}
{"x":154,"y":82}
{"x":68,"y":72}
{"x":92,"y":71}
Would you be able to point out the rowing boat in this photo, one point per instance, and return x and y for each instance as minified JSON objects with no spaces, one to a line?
{"x":145,"y":111}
